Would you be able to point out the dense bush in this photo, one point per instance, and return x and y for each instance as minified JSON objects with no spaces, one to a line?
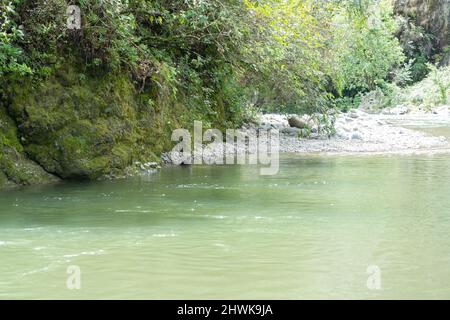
{"x":217,"y":57}
{"x":417,"y":45}
{"x":289,"y":53}
{"x":11,"y":63}
{"x":365,"y":46}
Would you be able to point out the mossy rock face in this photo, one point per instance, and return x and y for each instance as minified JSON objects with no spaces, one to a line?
{"x":84,"y":129}
{"x":22,"y":171}
{"x":79,"y":126}
{"x":15,"y":167}
{"x":3,"y":180}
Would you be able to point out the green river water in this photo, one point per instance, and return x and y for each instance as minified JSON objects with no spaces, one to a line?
{"x":225,"y":232}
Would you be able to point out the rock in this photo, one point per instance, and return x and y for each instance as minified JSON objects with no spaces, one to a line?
{"x":277,"y":126}
{"x":402,"y":110}
{"x":297,"y":122}
{"x":291,"y":131}
{"x":275,"y":120}
{"x":399,"y":110}
{"x":85,"y":131}
{"x":332,"y":112}
{"x":312,"y":123}
{"x":15,"y":167}
{"x":265,"y":127}
{"x":347,"y":129}
{"x":441,"y":111}
{"x":151,"y":165}
{"x":342,"y":136}
{"x":354,"y":114}
{"x":356,"y":136}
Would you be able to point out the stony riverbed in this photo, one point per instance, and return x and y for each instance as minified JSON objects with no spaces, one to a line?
{"x":354,"y":132}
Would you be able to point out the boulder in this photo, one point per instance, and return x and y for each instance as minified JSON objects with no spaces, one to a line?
{"x":297,"y":122}
{"x":293,"y":132}
{"x":83,"y":131}
{"x":354,"y":114}
{"x":16,"y":168}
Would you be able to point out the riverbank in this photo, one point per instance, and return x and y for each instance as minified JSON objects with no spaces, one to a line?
{"x":354,"y":132}
{"x":359,"y":132}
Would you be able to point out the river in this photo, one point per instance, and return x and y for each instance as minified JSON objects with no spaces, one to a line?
{"x":226,"y":232}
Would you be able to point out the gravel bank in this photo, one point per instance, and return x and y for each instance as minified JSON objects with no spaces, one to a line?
{"x":356,"y":132}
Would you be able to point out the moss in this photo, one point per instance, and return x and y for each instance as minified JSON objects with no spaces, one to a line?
{"x":3,"y":180}
{"x":15,"y":167}
{"x":98,"y":124}
{"x":84,"y":129}
{"x":21,"y":170}
{"x":8,"y":131}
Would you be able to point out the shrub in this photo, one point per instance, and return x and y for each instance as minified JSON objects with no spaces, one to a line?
{"x":366,"y":48}
{"x":11,"y":56}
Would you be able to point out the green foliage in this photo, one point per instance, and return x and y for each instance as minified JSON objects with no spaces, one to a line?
{"x":365,"y":46}
{"x":441,"y":82}
{"x":89,"y":102}
{"x":326,"y":122}
{"x":297,"y":54}
{"x":11,"y":63}
{"x":218,"y":58}
{"x":417,"y":46}
{"x":419,"y":69}
{"x":347,"y":103}
{"x":403,"y":75}
{"x":288,"y":55}
{"x":431,"y":92}
{"x":174,"y":50}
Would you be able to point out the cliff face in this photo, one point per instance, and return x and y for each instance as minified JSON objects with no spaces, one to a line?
{"x":67,"y":127}
{"x":15,"y":167}
{"x":78,"y":129}
{"x":433,"y":16}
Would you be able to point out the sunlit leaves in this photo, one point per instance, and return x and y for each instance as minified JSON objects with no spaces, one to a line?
{"x":365,"y":47}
